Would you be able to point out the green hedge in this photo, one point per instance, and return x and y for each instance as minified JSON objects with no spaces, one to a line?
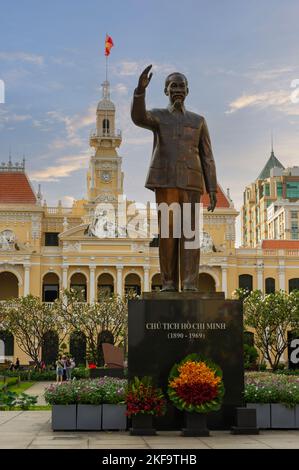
{"x":47,"y":375}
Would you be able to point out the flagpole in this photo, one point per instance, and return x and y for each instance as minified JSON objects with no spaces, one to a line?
{"x":106,"y":61}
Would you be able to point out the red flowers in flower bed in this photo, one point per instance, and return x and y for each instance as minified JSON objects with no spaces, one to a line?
{"x":144,"y":398}
{"x":92,"y":366}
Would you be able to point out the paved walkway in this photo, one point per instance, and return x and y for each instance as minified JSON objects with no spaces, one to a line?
{"x":32,"y":430}
{"x":38,"y":389}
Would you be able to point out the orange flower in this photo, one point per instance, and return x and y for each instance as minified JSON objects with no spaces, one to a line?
{"x":193,"y":373}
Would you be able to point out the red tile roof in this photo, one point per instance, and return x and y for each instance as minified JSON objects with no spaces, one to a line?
{"x":222,"y":201}
{"x":280,"y":244}
{"x":15,"y":188}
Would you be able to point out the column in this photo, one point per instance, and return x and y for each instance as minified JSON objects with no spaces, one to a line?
{"x":92,"y":270}
{"x":260,"y":275}
{"x":281,"y":277}
{"x":64,"y":276}
{"x":224,"y":280}
{"x":146,"y":283}
{"x":27,"y":279}
{"x":119,"y":280}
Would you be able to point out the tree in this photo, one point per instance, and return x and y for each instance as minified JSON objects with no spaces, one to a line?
{"x":108,"y":314}
{"x":271,"y":316}
{"x":29,"y":319}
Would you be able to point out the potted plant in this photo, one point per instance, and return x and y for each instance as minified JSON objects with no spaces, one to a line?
{"x":62,"y":397}
{"x":144,"y":401}
{"x":195,"y":386}
{"x":114,"y":408}
{"x":89,"y":407}
{"x":275,"y":398}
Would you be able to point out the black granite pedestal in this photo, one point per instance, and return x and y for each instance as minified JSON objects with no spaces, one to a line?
{"x":165,"y":327}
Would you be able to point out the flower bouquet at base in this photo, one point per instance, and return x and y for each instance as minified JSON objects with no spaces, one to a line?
{"x":195,"y":386}
{"x":144,"y":401}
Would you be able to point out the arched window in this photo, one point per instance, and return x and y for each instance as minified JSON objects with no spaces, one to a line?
{"x":105,"y":285}
{"x":9,"y":286}
{"x":50,"y":347}
{"x":78,"y":283}
{"x":249,"y":338}
{"x":78,"y":347}
{"x":6,"y":346}
{"x":245,"y":282}
{"x":50,"y":287}
{"x":132,"y":284}
{"x":270,"y":285}
{"x":156,"y":283}
{"x":106,"y":126}
{"x":294,"y":284}
{"x":104,"y":337}
{"x":206,"y":283}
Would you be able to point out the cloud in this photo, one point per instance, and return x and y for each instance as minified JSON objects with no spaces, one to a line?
{"x":64,"y":167}
{"x":67,"y":201}
{"x":269,"y":74}
{"x":7,"y":117}
{"x":73,"y":125}
{"x":134,"y":68}
{"x":255,"y":73}
{"x":277,"y":98}
{"x":120,"y":88}
{"x":22,"y":57}
{"x":129,"y":68}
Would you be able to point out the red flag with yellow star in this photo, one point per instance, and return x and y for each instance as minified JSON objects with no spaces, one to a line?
{"x":108,"y":45}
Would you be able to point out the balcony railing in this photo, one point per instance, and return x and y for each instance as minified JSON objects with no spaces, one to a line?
{"x":108,"y":134}
{"x":59,"y":210}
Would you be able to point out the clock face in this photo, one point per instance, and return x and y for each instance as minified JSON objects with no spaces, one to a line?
{"x":106,"y":176}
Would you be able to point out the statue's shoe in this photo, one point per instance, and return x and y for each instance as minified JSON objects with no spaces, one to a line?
{"x":169,"y":288}
{"x":190,"y":289}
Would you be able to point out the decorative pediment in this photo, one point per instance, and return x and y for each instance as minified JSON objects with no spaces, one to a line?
{"x":80,"y":231}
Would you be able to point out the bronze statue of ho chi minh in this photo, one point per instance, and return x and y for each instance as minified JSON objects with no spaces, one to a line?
{"x":182,"y":164}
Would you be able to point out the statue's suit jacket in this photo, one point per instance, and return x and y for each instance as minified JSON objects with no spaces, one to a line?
{"x":182,"y":154}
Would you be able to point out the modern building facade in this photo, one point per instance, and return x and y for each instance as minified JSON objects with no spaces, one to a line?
{"x":269,"y":205}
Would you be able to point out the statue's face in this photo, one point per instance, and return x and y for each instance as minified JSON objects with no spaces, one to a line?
{"x":177,"y":90}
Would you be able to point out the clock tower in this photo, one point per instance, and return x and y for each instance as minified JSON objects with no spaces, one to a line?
{"x":104,"y":177}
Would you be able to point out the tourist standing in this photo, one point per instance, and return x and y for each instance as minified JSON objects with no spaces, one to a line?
{"x":59,"y":369}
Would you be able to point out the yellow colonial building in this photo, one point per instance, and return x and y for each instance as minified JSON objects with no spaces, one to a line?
{"x":44,"y":250}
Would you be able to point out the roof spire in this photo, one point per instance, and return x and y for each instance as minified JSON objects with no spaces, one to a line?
{"x":9,"y":157}
{"x":106,"y":90}
{"x":272,"y":150}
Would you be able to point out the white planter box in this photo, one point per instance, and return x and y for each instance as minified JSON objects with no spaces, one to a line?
{"x":114,"y":417}
{"x":89,"y":417}
{"x":64,"y":417}
{"x":263,"y":414}
{"x":282,"y":417}
{"x":297,"y":417}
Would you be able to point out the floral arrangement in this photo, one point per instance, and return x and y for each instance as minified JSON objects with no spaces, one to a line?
{"x":195,"y":384}
{"x":144,"y":398}
{"x":87,"y":392}
{"x":91,"y":365}
{"x":266,"y":387}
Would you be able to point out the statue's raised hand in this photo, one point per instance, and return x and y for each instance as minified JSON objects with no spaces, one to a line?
{"x":144,"y":79}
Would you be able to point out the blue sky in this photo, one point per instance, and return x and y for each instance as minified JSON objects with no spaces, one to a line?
{"x":240,"y":58}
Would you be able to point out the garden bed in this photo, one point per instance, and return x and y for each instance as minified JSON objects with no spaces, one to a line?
{"x":90,"y":405}
{"x":275,"y":398}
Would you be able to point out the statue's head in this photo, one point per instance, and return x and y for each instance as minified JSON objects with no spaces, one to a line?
{"x":176,"y":87}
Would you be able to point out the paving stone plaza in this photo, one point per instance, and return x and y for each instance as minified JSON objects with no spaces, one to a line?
{"x":32,"y":430}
